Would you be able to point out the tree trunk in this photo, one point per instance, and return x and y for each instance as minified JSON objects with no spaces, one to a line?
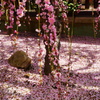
{"x":47,"y":67}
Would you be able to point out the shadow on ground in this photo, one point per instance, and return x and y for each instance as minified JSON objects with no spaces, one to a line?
{"x":84,"y":80}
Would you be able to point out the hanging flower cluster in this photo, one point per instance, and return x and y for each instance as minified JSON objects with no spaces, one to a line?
{"x":10,"y":7}
{"x":96,"y":25}
{"x":10,"y":10}
{"x":49,"y":29}
{"x":2,"y":9}
{"x":20,"y":12}
{"x":97,"y":19}
{"x":64,"y":8}
{"x":13,"y":14}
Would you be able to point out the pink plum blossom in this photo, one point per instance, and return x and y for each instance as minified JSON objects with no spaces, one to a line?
{"x":64,"y":15}
{"x":12,"y":7}
{"x":1,"y":13}
{"x":37,"y":17}
{"x":47,"y":1}
{"x":51,"y":20}
{"x":9,"y":27}
{"x":52,"y":28}
{"x":15,"y":31}
{"x":49,"y":7}
{"x":44,"y":26}
{"x":37,"y":30}
{"x":37,"y":1}
{"x":20,"y":13}
{"x":24,"y":0}
{"x":17,"y":22}
{"x":56,"y":2}
{"x":11,"y":12}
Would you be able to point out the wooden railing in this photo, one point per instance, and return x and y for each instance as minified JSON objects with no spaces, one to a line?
{"x":86,"y":4}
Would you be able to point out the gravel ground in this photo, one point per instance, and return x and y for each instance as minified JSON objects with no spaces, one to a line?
{"x":81,"y":83}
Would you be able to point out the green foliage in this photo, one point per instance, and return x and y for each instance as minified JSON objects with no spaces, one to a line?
{"x":72,"y":6}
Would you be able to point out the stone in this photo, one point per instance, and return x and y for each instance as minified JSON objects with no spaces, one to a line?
{"x":20,"y":60}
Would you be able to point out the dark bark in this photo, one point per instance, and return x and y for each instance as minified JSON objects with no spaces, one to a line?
{"x":47,"y":67}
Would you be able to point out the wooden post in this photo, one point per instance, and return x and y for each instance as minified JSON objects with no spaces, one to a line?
{"x":1,"y":1}
{"x":70,"y":1}
{"x":86,"y":4}
{"x":96,"y":3}
{"x":78,"y":1}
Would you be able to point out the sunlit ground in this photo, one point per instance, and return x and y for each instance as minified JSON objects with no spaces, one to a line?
{"x":83,"y":82}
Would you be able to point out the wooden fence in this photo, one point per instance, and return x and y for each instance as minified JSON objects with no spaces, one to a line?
{"x":86,"y":4}
{"x":83,"y":17}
